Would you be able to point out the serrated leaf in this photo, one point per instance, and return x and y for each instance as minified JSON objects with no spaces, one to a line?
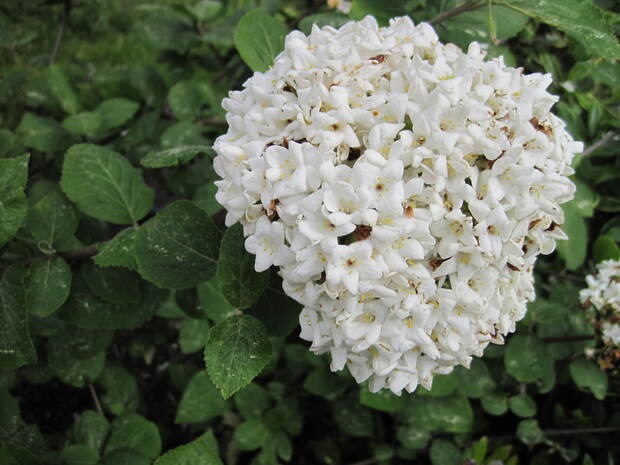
{"x":239,"y":283}
{"x":237,"y":351}
{"x":580,"y":19}
{"x":114,"y":285}
{"x":174,"y":156}
{"x":586,"y":374}
{"x":41,"y":133}
{"x":52,"y":219}
{"x":252,"y":401}
{"x":16,"y":347}
{"x":121,"y":390}
{"x":259,"y":37}
{"x":118,"y":251}
{"x":202,"y":451}
{"x":213,"y":303}
{"x":137,"y":433}
{"x":201,"y":401}
{"x":103,"y":184}
{"x":61,"y":88}
{"x":115,"y":112}
{"x":91,"y":429}
{"x":179,"y":247}
{"x":13,"y":205}
{"x":251,"y":434}
{"x":48,"y":285}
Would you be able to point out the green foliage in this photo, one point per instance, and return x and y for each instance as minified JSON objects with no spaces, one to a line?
{"x":134,"y":328}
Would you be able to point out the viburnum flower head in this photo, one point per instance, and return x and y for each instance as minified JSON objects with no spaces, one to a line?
{"x":404,"y":189}
{"x":601,"y":300}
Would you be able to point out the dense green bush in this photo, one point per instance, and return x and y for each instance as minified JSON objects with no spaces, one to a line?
{"x":116,"y":269}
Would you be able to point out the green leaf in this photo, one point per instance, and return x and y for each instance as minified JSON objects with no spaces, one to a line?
{"x":324,"y":383}
{"x":252,"y":401}
{"x":193,"y":335}
{"x":574,"y":250}
{"x":114,"y":285}
{"x":585,"y":199}
{"x":277,"y":311}
{"x":251,"y":434}
{"x":259,"y":37}
{"x":41,"y":133}
{"x":115,"y":112}
{"x":476,"y":381}
{"x":7,"y":141}
{"x":52,"y":219}
{"x":382,"y":10}
{"x":122,"y":394}
{"x":213,"y":303}
{"x":239,"y":283}
{"x":579,"y":19}
{"x":48,"y":285}
{"x":183,"y":133}
{"x":137,"y":433}
{"x":586,"y":374}
{"x":452,"y":414}
{"x":605,"y":248}
{"x":103,"y":184}
{"x":175,"y":156}
{"x":118,"y":251}
{"x":204,"y":197}
{"x":61,"y":88}
{"x":413,"y":436}
{"x":87,"y":123}
{"x":384,"y":400}
{"x":527,"y":358}
{"x":198,"y":452}
{"x":495,"y":404}
{"x":529,"y":432}
{"x":442,"y":386}
{"x":522,"y":405}
{"x":321,"y":20}
{"x":91,"y":429}
{"x":201,"y":401}
{"x":237,"y":350}
{"x":353,"y":418}
{"x":78,"y":372}
{"x":178,"y":248}
{"x":79,"y":454}
{"x":444,"y":452}
{"x":125,"y":456}
{"x":187,"y":99}
{"x":13,"y":205}
{"x":16,"y":347}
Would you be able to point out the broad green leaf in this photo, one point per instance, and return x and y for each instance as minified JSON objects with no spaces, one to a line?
{"x":62,"y":89}
{"x":79,"y":454}
{"x":183,"y":133}
{"x":324,"y":383}
{"x":179,"y":247}
{"x":115,"y":112}
{"x":529,"y":432}
{"x":545,"y":311}
{"x":527,"y":358}
{"x":586,"y":374}
{"x":237,"y":350}
{"x":252,"y":401}
{"x":198,"y":452}
{"x":13,"y":205}
{"x":277,"y":311}
{"x":87,"y":123}
{"x":213,"y":303}
{"x":413,"y":436}
{"x":121,"y":390}
{"x":442,"y":386}
{"x":78,"y":372}
{"x":175,"y":156}
{"x":91,"y":429}
{"x":168,"y":30}
{"x":251,"y":434}
{"x":384,"y":400}
{"x":125,"y":456}
{"x":382,"y":10}
{"x":204,"y":197}
{"x":104,"y":185}
{"x":16,"y":347}
{"x":137,"y":433}
{"x":48,"y":285}
{"x":118,"y":251}
{"x":201,"y":401}
{"x":574,"y":250}
{"x":452,"y":414}
{"x":239,"y":283}
{"x":115,"y":285}
{"x":7,"y":141}
{"x":605,"y":248}
{"x":353,"y":418}
{"x":187,"y":99}
{"x":51,"y":220}
{"x":193,"y":335}
{"x":522,"y":405}
{"x":585,"y":199}
{"x":579,"y":19}
{"x":259,"y":37}
{"x":42,"y":133}
{"x":444,"y":452}
{"x":474,"y":382}
{"x":495,"y":404}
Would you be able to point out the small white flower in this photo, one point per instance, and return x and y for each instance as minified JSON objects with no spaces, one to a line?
{"x":268,"y":244}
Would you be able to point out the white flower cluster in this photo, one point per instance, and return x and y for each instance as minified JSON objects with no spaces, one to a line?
{"x":403,"y":187}
{"x":602,"y":301}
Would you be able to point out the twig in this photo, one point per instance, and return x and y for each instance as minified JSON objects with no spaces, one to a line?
{"x":563,"y":432}
{"x":61,"y":30}
{"x":81,"y":254}
{"x":602,"y":142}
{"x":93,"y":393}
{"x":469,"y":5}
{"x":580,"y":337}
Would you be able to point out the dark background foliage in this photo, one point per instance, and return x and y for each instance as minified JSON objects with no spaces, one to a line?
{"x":117,"y":271}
